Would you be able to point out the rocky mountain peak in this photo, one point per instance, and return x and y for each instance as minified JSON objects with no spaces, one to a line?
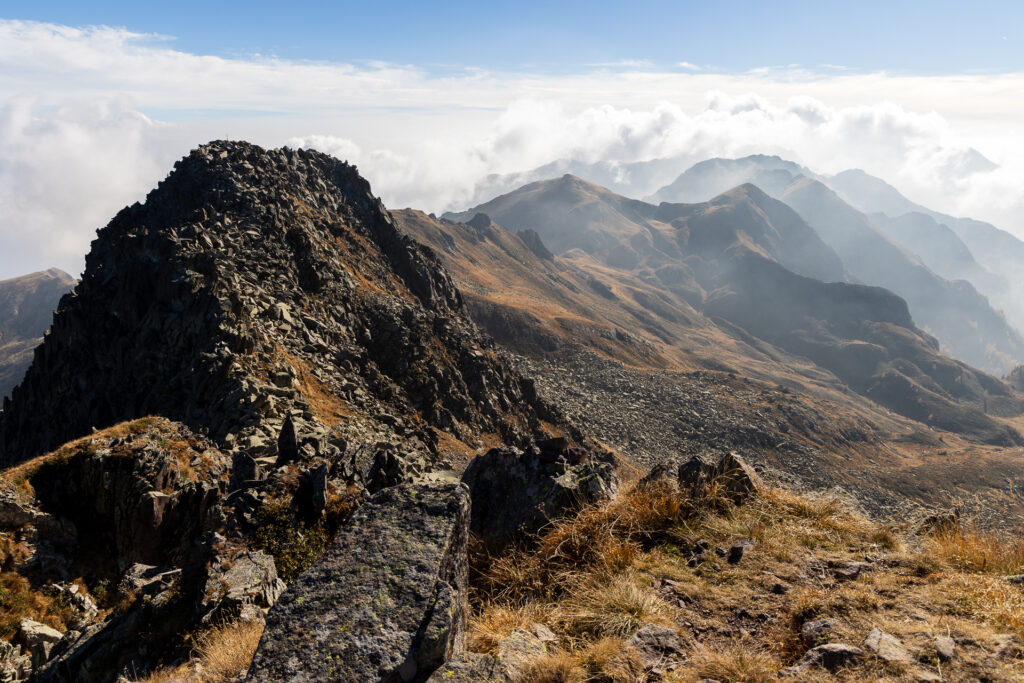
{"x":252,"y":285}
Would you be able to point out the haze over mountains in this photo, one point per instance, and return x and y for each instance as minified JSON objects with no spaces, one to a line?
{"x":753,"y":261}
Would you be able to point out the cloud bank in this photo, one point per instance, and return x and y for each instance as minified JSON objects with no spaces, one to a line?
{"x":91,"y":118}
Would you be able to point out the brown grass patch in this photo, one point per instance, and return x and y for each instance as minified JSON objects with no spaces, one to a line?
{"x":218,"y":655}
{"x":966,"y":546}
{"x":330,"y":408}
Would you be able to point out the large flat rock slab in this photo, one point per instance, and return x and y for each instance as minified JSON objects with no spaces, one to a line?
{"x":386,"y":603}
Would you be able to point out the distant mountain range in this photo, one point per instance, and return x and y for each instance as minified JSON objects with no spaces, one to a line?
{"x":754,"y":262}
{"x":899,"y":245}
{"x":26,"y":309}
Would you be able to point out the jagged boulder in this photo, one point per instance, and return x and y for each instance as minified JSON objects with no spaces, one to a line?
{"x":15,"y":665}
{"x":246,"y":587}
{"x":388,"y":600}
{"x":519,"y":648}
{"x":730,"y":475}
{"x":518,"y":492}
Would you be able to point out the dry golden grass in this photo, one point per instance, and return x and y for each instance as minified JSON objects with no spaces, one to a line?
{"x":487,"y":630}
{"x":966,"y":546}
{"x":597,"y":577}
{"x":219,"y":654}
{"x":618,"y":606}
{"x":598,"y":541}
{"x":741,"y":661}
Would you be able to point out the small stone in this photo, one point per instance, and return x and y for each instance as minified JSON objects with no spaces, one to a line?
{"x":814,"y":632}
{"x":735,"y":553}
{"x":887,"y":647}
{"x":779,"y":589}
{"x":661,"y":649}
{"x":830,"y":656}
{"x":945,"y":647}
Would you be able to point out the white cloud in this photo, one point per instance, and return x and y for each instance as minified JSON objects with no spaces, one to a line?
{"x":90,"y":118}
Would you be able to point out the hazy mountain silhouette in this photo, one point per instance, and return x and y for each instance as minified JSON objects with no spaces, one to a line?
{"x":753,"y":261}
{"x":954,"y":311}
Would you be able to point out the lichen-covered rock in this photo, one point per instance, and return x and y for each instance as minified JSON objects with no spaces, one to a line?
{"x":247,"y":588}
{"x":471,"y":667}
{"x":388,"y":600}
{"x":518,"y":492}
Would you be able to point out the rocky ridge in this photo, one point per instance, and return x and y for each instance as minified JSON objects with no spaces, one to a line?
{"x":254,"y":285}
{"x":297,"y":354}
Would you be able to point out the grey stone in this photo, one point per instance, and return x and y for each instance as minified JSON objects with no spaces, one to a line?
{"x":661,"y":649}
{"x":830,"y":656}
{"x":388,"y":600}
{"x":696,"y":474}
{"x":287,"y":443}
{"x":887,"y":647}
{"x":814,"y":632}
{"x":32,"y":633}
{"x":730,"y":475}
{"x":247,"y":588}
{"x":15,"y":665}
{"x":471,"y":667}
{"x":945,"y":647}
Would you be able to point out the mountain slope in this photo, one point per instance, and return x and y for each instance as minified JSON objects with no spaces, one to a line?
{"x":752,"y":261}
{"x":570,"y":213}
{"x":998,"y":251}
{"x":252,"y":286}
{"x":954,"y":312}
{"x":26,"y":308}
{"x":712,"y":177}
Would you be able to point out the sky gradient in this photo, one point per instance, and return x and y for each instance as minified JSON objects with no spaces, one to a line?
{"x":549,"y":37}
{"x":97,"y":100}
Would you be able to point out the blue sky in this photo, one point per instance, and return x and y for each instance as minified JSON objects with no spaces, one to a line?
{"x":550,"y":37}
{"x":432,"y":99}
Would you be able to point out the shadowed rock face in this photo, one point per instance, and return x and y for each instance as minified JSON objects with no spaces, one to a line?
{"x":519,"y":492}
{"x":252,"y":285}
{"x":387,"y":601}
{"x":26,"y":309}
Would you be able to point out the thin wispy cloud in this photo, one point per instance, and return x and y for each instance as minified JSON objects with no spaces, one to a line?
{"x":103,"y":112}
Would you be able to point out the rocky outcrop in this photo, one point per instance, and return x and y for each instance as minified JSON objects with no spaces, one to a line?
{"x":386,"y":603}
{"x":729,"y":476}
{"x":246,"y":588}
{"x":516,"y":492}
{"x":508,"y":663}
{"x":255,"y":285}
